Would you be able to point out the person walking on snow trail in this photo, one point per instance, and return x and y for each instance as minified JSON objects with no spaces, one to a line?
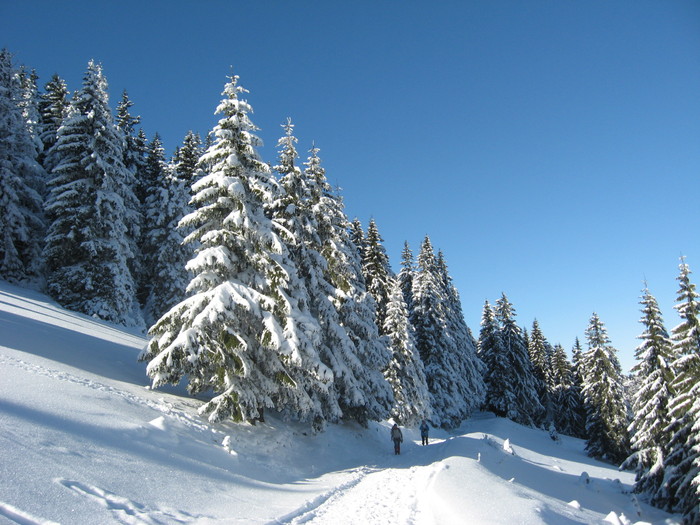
{"x":397,"y":438}
{"x":424,"y":432}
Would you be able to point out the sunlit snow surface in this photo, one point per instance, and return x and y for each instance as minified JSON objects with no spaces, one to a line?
{"x":83,"y":440}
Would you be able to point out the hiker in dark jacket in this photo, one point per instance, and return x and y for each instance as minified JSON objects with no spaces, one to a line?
{"x":424,"y":432}
{"x":397,"y":438}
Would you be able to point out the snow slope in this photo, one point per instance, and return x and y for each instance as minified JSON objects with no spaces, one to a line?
{"x":83,"y":440}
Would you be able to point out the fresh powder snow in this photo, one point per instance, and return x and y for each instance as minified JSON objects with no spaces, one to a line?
{"x":85,"y":440}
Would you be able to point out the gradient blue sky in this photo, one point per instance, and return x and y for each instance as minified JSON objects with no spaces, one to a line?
{"x":551,"y":149}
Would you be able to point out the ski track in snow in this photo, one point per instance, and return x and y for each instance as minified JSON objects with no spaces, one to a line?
{"x":125,"y":510}
{"x":161,"y":406}
{"x":22,"y":518}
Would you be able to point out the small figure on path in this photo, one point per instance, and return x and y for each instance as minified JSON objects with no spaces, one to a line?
{"x":397,"y":438}
{"x":424,"y":432}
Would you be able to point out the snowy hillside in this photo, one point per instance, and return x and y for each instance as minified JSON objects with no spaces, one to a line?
{"x":84,"y":441}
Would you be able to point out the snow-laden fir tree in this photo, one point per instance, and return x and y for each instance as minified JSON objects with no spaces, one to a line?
{"x":134,"y":158}
{"x":405,"y":372}
{"x":680,"y":490}
{"x":29,"y":104}
{"x":565,"y":395}
{"x":377,"y":272}
{"x":87,"y":248}
{"x":604,"y":396}
{"x":352,"y":346}
{"x":21,"y":185}
{"x":498,"y":396}
{"x":357,"y":235}
{"x":186,"y":158}
{"x":539,"y":351}
{"x":650,"y":404}
{"x":234,"y":334}
{"x":405,"y":276}
{"x":444,"y":347}
{"x":294,"y":220}
{"x":164,"y":253}
{"x":521,"y":400}
{"x":53,"y":108}
{"x":460,"y":338}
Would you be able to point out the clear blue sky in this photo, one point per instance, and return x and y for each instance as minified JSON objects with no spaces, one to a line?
{"x":551,"y":149}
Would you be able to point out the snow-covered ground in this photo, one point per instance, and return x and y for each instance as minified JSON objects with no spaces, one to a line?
{"x":83,"y":440}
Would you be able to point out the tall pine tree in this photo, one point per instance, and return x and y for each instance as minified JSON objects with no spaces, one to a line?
{"x":87,"y":248}
{"x":21,"y":185}
{"x":377,"y":272}
{"x":604,"y":398}
{"x":523,"y":404}
{"x":650,"y":405}
{"x":234,"y":334}
{"x":680,"y":490}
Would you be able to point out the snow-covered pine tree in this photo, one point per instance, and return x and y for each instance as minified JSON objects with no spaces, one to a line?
{"x":442,"y":350}
{"x":650,"y":404}
{"x":134,"y":159}
{"x":527,"y":409}
{"x":233,"y":334}
{"x":604,"y":397}
{"x":163,"y":273}
{"x":460,"y":340}
{"x":565,"y":395}
{"x":357,"y":235}
{"x":186,"y":158}
{"x":680,"y":491}
{"x":293,"y":217}
{"x":377,"y":272}
{"x":29,"y":104}
{"x":87,"y":250}
{"x":352,"y":346}
{"x":499,"y":396}
{"x":405,"y":372}
{"x":21,"y":185}
{"x":406,"y":276}
{"x":53,"y":109}
{"x":539,"y":352}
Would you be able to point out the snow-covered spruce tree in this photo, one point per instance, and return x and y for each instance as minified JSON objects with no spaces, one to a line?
{"x":357,"y":235}
{"x":648,"y":429}
{"x":29,"y":104}
{"x":462,"y":341}
{"x":604,"y":397}
{"x":539,"y":351}
{"x":351,"y":346}
{"x":527,"y":409}
{"x":164,"y":253}
{"x":233,"y":335}
{"x":680,"y":490}
{"x":444,"y":352}
{"x":87,"y":250}
{"x":499,"y":395}
{"x":134,"y":158}
{"x":405,"y":372}
{"x":293,"y":218}
{"x":53,"y":108}
{"x":406,"y":276}
{"x":565,"y":395}
{"x":186,"y":158}
{"x":377,"y":272}
{"x":21,"y":185}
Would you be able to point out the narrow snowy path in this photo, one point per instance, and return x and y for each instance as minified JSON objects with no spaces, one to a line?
{"x":397,"y":493}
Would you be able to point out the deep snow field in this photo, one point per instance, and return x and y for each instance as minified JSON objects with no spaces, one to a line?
{"x":84,"y":440}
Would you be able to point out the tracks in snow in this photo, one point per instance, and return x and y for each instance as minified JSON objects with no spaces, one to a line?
{"x":371,"y":495}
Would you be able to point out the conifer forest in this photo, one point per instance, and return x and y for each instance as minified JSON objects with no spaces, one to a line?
{"x":258,"y":290}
